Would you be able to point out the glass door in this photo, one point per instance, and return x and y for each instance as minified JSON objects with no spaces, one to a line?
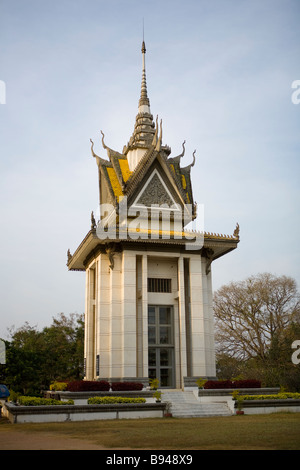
{"x":161,"y":344}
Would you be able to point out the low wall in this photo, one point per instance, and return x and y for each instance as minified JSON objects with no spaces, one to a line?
{"x":81,"y":398}
{"x":270,"y":406}
{"x":223,"y":392}
{"x":60,"y":413}
{"x":249,"y":406}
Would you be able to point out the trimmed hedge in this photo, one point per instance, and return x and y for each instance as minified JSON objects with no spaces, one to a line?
{"x":88,"y":386}
{"x":58,"y":386}
{"x":101,"y":386}
{"x":113,"y":400}
{"x":123,"y":386}
{"x":36,"y":401}
{"x":247,"y":383}
{"x":278,"y":396}
{"x":217,"y":384}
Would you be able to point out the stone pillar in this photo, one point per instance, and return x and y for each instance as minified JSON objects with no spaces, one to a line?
{"x":209,"y":340}
{"x":182,"y":322}
{"x":198,"y":362}
{"x":90,"y":306}
{"x":128,"y":286}
{"x":145,"y":313}
{"x":116,"y":319}
{"x":104,"y":319}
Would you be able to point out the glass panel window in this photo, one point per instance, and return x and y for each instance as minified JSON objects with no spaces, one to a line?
{"x":152,"y":357}
{"x":165,"y":356}
{"x":152,"y":373}
{"x":165,"y":377}
{"x":161,"y":345}
{"x":151,"y":335}
{"x":164,"y":315}
{"x":151,"y":315}
{"x":165,"y":335}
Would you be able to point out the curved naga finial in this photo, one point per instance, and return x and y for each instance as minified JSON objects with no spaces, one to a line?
{"x":92,"y":149}
{"x":69,"y":256}
{"x":183,"y":149}
{"x":93,"y":221}
{"x":191,"y":164}
{"x":104,"y":146}
{"x":98,"y":159}
{"x":178,"y":158}
{"x":194,"y":158}
{"x":236,"y":232}
{"x":154,"y":141}
{"x":158,"y":145}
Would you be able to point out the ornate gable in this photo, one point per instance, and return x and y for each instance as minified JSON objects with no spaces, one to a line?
{"x":155,"y":192}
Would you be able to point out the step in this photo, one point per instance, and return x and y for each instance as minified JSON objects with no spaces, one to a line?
{"x":184,"y":404}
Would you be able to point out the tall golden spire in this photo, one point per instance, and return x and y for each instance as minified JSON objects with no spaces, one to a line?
{"x":144,"y":129}
{"x":144,"y":100}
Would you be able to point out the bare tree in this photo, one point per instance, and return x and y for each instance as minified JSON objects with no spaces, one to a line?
{"x":248,"y":314}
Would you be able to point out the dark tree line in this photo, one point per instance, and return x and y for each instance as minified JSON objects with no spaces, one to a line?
{"x":35,"y":358}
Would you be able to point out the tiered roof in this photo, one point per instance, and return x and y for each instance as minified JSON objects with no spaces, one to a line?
{"x":121,"y":179}
{"x":146,"y":173}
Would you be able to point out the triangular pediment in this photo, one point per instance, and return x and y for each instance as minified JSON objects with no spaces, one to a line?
{"x":155,"y":192}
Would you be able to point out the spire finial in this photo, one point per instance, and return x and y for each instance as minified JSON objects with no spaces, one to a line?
{"x":143,"y":43}
{"x":144,"y":100}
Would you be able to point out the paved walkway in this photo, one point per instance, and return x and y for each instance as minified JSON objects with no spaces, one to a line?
{"x":14,"y":440}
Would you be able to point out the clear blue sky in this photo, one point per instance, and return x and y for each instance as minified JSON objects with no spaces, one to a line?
{"x":219,"y":74}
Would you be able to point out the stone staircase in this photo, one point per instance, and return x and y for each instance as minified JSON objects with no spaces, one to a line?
{"x":184,"y":404}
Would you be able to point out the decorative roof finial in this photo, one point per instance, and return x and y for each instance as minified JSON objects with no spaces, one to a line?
{"x":144,"y":100}
{"x":143,"y":45}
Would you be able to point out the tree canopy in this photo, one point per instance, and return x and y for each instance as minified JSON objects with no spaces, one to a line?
{"x":256,"y":322}
{"x":35,"y":358}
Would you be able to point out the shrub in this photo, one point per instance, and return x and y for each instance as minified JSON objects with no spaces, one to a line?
{"x":201,"y":382}
{"x":36,"y":401}
{"x":58,"y":386}
{"x":123,"y":386}
{"x":113,"y":400}
{"x":278,"y":396}
{"x":154,"y":384}
{"x":216,"y":384}
{"x":246,"y":383}
{"x":88,"y":386}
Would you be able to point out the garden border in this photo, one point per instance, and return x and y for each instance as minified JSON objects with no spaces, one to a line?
{"x":52,"y":413}
{"x":214,"y":392}
{"x":81,"y":398}
{"x":269,"y":406}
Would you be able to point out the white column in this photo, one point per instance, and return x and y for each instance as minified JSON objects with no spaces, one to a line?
{"x":128,"y":286}
{"x":198,"y":363}
{"x":116,"y":318}
{"x":90,"y":324}
{"x":209,"y":339}
{"x":86,"y":327}
{"x":145,"y":313}
{"x":182,"y":329}
{"x":104,"y":320}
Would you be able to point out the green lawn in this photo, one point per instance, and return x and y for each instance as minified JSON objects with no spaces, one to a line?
{"x":276,"y":431}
